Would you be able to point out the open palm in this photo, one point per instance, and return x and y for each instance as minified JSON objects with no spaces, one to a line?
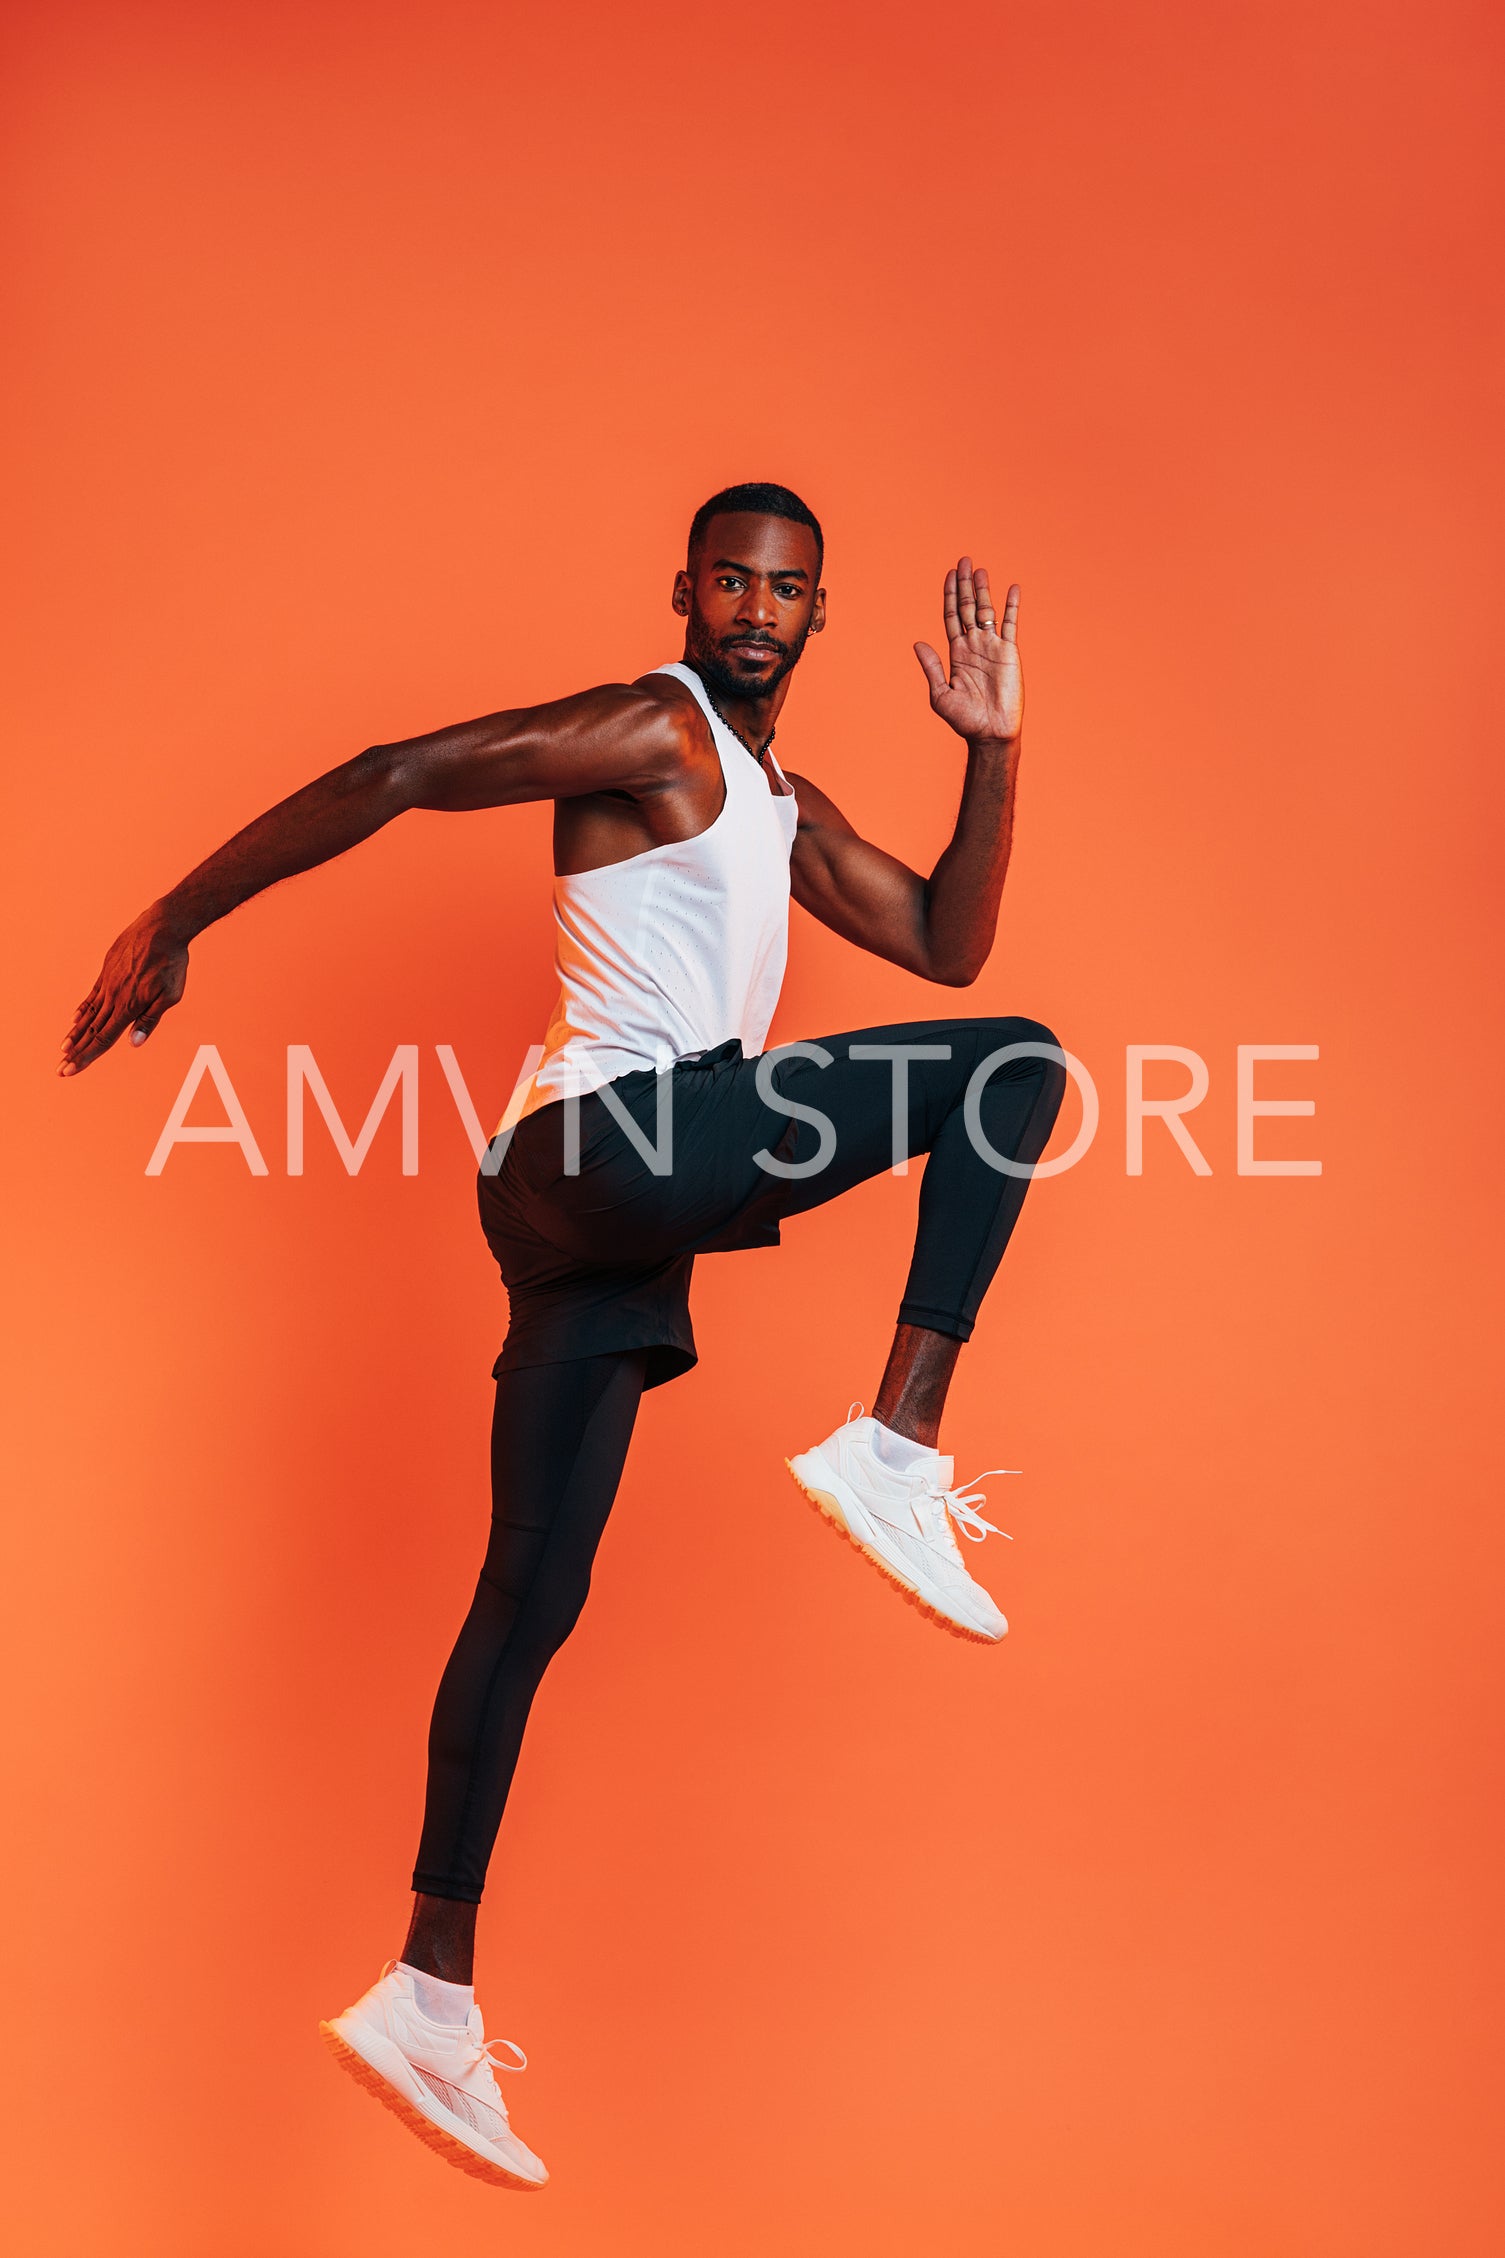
{"x":983,"y":696}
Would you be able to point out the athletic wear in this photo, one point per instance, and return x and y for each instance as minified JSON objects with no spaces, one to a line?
{"x":602,"y":1260}
{"x":902,"y":1519}
{"x":598,"y":1266}
{"x":680,"y":948}
{"x":437,"y":2077}
{"x":558,"y":1441}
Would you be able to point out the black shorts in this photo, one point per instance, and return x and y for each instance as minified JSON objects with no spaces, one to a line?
{"x":600,"y":1260}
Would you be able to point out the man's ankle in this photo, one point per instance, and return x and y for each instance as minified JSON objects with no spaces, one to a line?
{"x":441,"y":1939}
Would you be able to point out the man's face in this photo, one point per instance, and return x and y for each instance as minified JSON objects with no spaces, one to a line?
{"x":750,"y":599}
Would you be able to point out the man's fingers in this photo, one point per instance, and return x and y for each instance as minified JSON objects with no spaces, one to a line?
{"x":935,"y":673}
{"x":103,"y":1016}
{"x":110,"y":1030}
{"x":1009,"y":629}
{"x":85,"y":1053}
{"x":78,"y":1035}
{"x":105,"y":1038}
{"x":129,"y":1005}
{"x":949,"y":612}
{"x":93,"y":1009}
{"x":966,"y":598}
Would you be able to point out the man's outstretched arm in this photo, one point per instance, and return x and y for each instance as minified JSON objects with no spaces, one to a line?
{"x":615,"y":738}
{"x":941,"y":926}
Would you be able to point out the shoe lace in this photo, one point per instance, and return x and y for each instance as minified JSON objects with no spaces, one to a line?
{"x":479,"y":2051}
{"x":476,"y":2051}
{"x":962,"y":1503}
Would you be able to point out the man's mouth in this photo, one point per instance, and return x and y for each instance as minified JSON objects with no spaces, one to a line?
{"x":748,"y":647}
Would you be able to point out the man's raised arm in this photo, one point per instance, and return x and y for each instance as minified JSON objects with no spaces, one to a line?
{"x":942,"y":926}
{"x":612,"y":738}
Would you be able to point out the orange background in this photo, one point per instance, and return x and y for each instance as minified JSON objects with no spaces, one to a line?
{"x":366,"y":365}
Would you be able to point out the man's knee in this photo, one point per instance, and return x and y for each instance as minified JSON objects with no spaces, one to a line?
{"x":1020,"y":1052}
{"x":992,"y":1035}
{"x":560,"y":1608}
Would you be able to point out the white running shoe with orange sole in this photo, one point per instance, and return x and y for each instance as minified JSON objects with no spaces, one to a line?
{"x":437,"y":2077}
{"x":905,"y":1523}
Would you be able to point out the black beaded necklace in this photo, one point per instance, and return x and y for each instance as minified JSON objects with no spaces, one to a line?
{"x":756,"y":754}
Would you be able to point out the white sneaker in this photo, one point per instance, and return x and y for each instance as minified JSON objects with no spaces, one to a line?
{"x":437,"y":2077}
{"x":904,"y":1523}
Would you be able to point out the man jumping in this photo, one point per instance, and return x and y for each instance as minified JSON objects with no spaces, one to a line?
{"x":655,"y":1129}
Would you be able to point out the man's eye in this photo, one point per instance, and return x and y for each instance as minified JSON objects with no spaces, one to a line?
{"x":789,"y":591}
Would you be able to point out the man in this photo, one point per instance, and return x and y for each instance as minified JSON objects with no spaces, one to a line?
{"x":655,"y":1129}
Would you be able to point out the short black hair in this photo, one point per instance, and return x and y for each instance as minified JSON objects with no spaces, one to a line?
{"x":757,"y":498}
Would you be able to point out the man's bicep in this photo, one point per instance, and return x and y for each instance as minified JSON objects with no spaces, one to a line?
{"x":609,"y":738}
{"x":862,"y":892}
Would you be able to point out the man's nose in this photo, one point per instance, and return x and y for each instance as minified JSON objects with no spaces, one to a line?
{"x":757,"y":608}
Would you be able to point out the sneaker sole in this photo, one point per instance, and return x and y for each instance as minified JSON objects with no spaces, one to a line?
{"x":448,"y":2145}
{"x":829,"y":1509}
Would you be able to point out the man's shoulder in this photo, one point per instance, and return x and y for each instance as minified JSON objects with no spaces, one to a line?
{"x":665,"y":692}
{"x":654,"y":726}
{"x":667,"y":712}
{"x":817,"y":810}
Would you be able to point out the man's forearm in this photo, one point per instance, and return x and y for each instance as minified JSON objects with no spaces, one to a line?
{"x":337,"y":811}
{"x":963,"y":891}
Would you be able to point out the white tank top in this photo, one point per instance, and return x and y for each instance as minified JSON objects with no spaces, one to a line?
{"x":678,"y":949}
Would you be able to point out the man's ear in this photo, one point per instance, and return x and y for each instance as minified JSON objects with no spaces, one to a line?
{"x":681,"y":596}
{"x":818,"y":612}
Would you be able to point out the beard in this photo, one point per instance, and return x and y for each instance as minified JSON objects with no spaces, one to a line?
{"x":718,"y":669}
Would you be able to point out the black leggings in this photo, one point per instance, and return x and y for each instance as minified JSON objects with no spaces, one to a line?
{"x":559,"y":1438}
{"x":561,"y":1430}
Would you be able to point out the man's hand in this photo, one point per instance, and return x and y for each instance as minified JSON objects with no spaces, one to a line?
{"x":984,"y":698}
{"x":942,"y":926}
{"x":143,"y":975}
